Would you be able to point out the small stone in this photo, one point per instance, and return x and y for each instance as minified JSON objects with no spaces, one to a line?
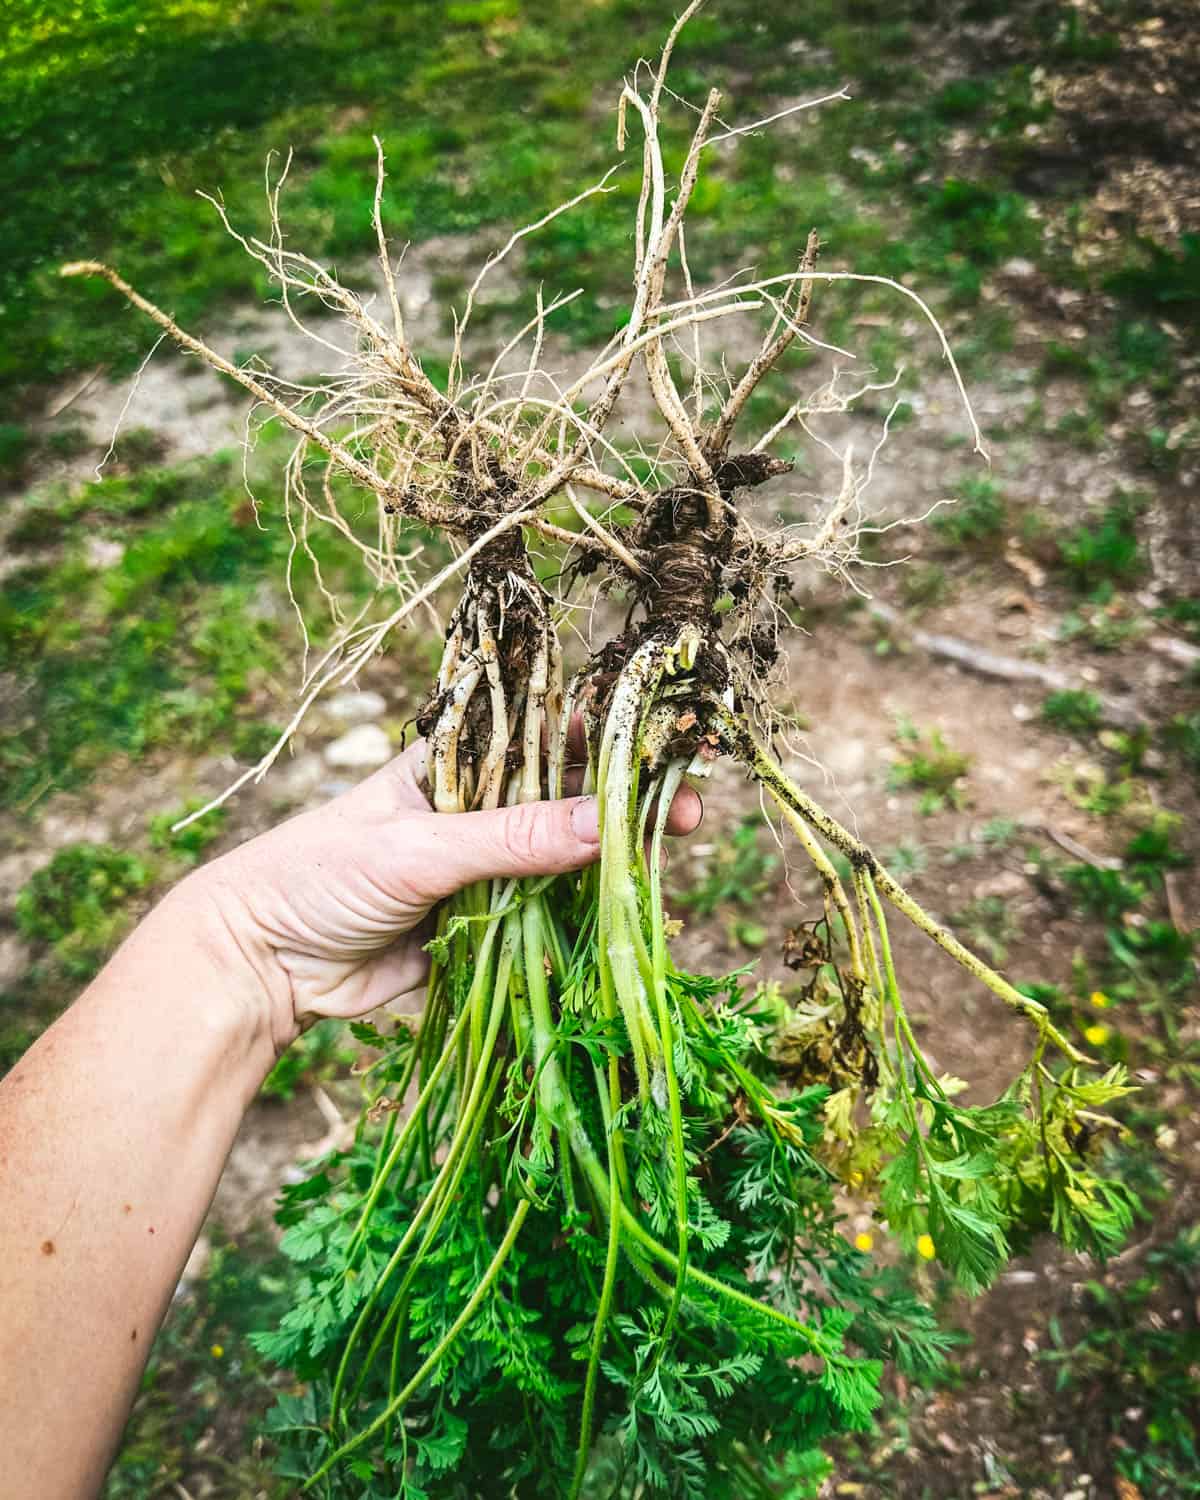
{"x":1018,"y":267}
{"x":361,"y":748}
{"x":356,"y":707}
{"x":299,"y":777}
{"x":103,"y":552}
{"x":15,"y":958}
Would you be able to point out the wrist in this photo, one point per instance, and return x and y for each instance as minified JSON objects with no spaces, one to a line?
{"x":236,"y":984}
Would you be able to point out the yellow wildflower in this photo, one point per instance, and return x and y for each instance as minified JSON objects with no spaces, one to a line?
{"x":864,"y":1242}
{"x":926,"y":1249}
{"x":217,"y":1351}
{"x":1100,"y":1000}
{"x":1097,"y":1035}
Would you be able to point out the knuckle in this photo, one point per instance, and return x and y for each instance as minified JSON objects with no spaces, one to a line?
{"x":524,"y":832}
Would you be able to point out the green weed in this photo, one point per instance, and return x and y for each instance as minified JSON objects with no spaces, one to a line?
{"x":80,"y":904}
{"x":1075,"y":711}
{"x":927,"y":764}
{"x":1107,"y":551}
{"x":190,"y":842}
{"x":16,"y":446}
{"x":924,"y":587}
{"x":978,"y":516}
{"x":988,"y":923}
{"x":1182,"y":735}
{"x":1135,"y":1365}
{"x":738,"y":872}
{"x":318,"y":1055}
{"x":166,"y":644}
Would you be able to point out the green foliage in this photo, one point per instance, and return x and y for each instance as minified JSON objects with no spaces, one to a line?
{"x":1076,"y":711}
{"x":980,"y":1181}
{"x":1166,"y":282}
{"x":737,"y":871}
{"x":79,"y":904}
{"x":978,"y":516}
{"x":1106,"y":552}
{"x":682,"y":1416}
{"x":1135,"y":1365}
{"x":162,"y":646}
{"x":988,"y":923}
{"x":320,"y":1054}
{"x":924,"y":587}
{"x":927,"y":764}
{"x":1106,"y":623}
{"x":188,"y":843}
{"x":1182,"y":734}
{"x":16,"y":444}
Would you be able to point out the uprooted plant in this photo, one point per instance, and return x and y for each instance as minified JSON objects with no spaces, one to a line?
{"x":586,"y":1240}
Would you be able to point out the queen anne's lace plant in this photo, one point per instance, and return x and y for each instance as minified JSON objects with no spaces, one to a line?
{"x":599,"y":1253}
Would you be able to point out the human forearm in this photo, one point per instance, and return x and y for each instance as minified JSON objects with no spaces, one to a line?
{"x":115,"y":1126}
{"x":113,"y":1132}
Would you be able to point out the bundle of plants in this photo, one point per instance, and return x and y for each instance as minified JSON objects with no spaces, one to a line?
{"x":589,"y":1237}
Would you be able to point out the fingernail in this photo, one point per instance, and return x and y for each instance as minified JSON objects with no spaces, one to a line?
{"x":585,"y":820}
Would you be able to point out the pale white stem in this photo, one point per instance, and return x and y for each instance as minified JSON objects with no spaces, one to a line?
{"x":616,"y":547}
{"x":763,"y":284}
{"x":781,"y":114}
{"x":385,"y":260}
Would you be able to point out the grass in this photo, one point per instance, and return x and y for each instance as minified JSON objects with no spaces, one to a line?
{"x":1134,"y":1366}
{"x":188,"y":844}
{"x":738,"y":872}
{"x":168,"y":645}
{"x":978,"y":517}
{"x":928,"y":765}
{"x":1105,"y":552}
{"x":988,"y":924}
{"x":320,"y":1054}
{"x":1074,"y":710}
{"x":80,"y":903}
{"x":495,"y":112}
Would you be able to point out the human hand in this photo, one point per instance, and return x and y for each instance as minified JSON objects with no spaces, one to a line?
{"x":330,"y":907}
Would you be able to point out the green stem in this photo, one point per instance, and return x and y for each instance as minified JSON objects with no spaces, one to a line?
{"x":463,"y":1132}
{"x":667,"y":789}
{"x":720,"y":1288}
{"x":439,"y":1352}
{"x":743,"y":744}
{"x":603,"y":1309}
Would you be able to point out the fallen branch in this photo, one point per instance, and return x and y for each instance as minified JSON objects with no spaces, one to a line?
{"x":1121,"y":712}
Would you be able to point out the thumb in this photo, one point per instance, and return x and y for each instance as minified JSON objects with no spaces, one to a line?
{"x":530,"y":838}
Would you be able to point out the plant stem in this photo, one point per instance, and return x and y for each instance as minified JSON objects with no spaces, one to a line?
{"x":787,"y":796}
{"x":439,"y":1352}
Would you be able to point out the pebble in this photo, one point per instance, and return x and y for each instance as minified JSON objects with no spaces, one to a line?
{"x":15,"y":958}
{"x":362,"y":748}
{"x":298,"y":779}
{"x":103,"y":552}
{"x":1005,"y":883}
{"x":356,"y":707}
